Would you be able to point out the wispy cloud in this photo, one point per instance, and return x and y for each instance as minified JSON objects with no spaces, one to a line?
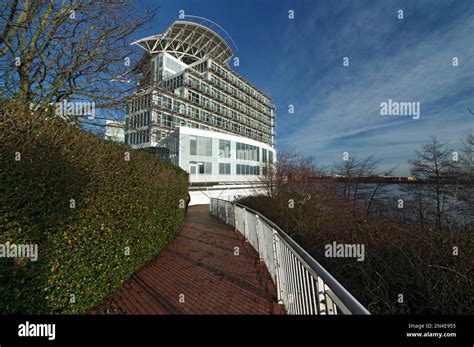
{"x":338,"y":108}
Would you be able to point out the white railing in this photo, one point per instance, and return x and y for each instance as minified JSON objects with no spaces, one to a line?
{"x":303,"y":285}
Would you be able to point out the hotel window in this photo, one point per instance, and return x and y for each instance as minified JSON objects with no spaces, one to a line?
{"x":176,"y":106}
{"x":224,"y":149}
{"x":192,"y":112}
{"x":192,"y":145}
{"x":247,"y":152}
{"x":193,"y":97}
{"x":224,"y":169}
{"x":200,"y":146}
{"x":242,"y":169}
{"x":166,"y":102}
{"x":173,"y":65}
{"x":205,"y":116}
{"x":202,"y":167}
{"x":208,"y":168}
{"x":208,"y":142}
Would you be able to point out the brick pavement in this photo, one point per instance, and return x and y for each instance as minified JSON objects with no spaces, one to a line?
{"x":198,"y":273}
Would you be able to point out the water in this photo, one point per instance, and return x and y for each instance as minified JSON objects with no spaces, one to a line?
{"x":402,"y":202}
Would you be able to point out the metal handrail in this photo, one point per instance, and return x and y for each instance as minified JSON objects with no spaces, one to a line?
{"x":340,"y":300}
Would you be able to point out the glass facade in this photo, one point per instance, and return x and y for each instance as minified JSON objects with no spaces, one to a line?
{"x":242,"y":169}
{"x":201,"y":146}
{"x":200,"y":168}
{"x":224,"y":168}
{"x":224,"y":149}
{"x":247,"y":152}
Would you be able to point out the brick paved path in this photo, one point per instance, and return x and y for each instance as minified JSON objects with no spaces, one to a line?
{"x":200,"y":267}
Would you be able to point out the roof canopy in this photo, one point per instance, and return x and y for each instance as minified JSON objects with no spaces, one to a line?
{"x":188,"y":42}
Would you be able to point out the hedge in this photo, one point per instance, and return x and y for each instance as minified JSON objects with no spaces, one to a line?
{"x":95,"y":216}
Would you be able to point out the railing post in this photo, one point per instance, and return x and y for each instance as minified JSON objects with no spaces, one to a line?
{"x":225,"y":209}
{"x":257,"y":231}
{"x":235,"y":217}
{"x":277,"y":266}
{"x":245,"y":224}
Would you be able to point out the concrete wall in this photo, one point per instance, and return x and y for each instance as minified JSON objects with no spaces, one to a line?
{"x":203,"y":196}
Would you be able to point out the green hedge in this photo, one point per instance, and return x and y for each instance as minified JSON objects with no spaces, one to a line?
{"x":82,"y":250}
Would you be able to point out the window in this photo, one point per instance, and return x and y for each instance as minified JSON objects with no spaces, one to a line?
{"x":224,"y":149}
{"x":200,"y":145}
{"x":208,"y":167}
{"x":192,"y":145}
{"x":242,"y":169}
{"x":192,"y":112}
{"x":224,"y":169}
{"x":208,"y":147}
{"x":202,"y":167}
{"x":173,"y":65}
{"x":194,"y":97}
{"x":247,"y":152}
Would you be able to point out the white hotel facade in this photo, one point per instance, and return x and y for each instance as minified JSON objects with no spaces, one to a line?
{"x":194,"y":110}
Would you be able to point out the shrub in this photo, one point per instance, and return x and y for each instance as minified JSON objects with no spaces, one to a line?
{"x":125,"y":212}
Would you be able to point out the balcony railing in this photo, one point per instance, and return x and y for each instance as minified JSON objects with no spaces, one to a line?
{"x":303,"y":285}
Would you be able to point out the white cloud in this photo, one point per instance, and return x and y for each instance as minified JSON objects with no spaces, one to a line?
{"x":344,"y":102}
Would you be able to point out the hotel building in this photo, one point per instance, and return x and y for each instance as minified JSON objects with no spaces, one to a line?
{"x":194,"y":110}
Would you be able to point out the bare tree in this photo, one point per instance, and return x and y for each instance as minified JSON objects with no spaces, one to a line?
{"x":293,"y":171}
{"x":464,"y":189}
{"x":346,"y":170}
{"x":466,"y":157}
{"x":76,"y":50}
{"x":378,"y":187}
{"x":353,"y":170}
{"x":435,"y":164}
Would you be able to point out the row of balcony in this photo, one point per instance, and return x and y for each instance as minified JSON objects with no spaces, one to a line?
{"x":242,"y":97}
{"x":207,"y":91}
{"x":242,"y":86}
{"x":229,"y":125}
{"x":226,"y":115}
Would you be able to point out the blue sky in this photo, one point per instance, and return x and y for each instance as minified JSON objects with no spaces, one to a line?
{"x":337,"y":108}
